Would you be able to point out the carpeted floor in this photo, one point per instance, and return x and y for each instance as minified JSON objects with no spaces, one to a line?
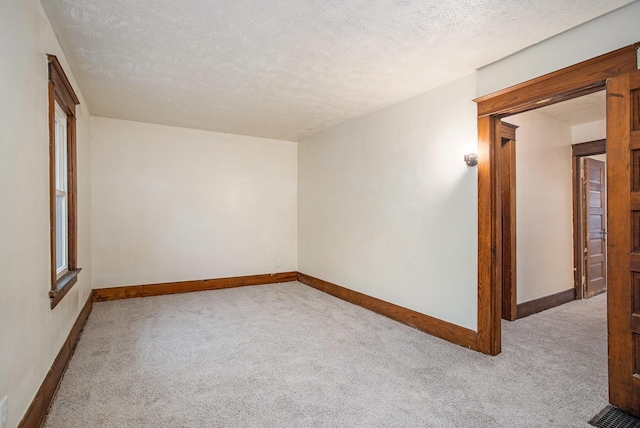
{"x":286,"y":355}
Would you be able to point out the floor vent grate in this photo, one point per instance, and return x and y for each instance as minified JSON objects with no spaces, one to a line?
{"x":612,"y":417}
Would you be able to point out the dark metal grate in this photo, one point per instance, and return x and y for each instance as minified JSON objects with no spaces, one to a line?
{"x":612,"y":417}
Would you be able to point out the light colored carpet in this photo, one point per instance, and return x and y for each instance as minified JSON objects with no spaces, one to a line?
{"x":286,"y":355}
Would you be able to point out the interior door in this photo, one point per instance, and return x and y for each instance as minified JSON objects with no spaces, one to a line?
{"x":595,"y":254}
{"x":623,"y":224}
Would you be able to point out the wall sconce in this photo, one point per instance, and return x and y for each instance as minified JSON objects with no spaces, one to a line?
{"x":471,"y":159}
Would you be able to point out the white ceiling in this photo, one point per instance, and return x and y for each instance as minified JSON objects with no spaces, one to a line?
{"x":585,"y":109}
{"x":290,"y":68}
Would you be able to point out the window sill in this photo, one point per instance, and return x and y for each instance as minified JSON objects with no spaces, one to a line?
{"x":63,"y":285}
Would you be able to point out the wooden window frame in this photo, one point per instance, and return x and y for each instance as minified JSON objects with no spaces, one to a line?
{"x":565,"y":84}
{"x":61,"y":92}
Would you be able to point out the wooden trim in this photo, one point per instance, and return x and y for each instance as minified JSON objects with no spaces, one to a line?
{"x":578,"y":151}
{"x":508,"y":131}
{"x":63,"y":285}
{"x":442,"y":329}
{"x":586,"y":77}
{"x":60,"y":80}
{"x":72,"y":190}
{"x":578,"y":230}
{"x":589,"y":148}
{"x":37,"y":411}
{"x":61,"y":91}
{"x":543,"y":303}
{"x":489,"y":236}
{"x":509,"y":230}
{"x":147,"y":290}
{"x":570,"y":82}
{"x":52,"y":187}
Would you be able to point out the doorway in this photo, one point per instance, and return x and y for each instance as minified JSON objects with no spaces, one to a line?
{"x":543,"y":240}
{"x":590,"y":218}
{"x":617,"y":72}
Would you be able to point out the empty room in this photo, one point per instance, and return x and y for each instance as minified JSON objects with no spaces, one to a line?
{"x":304,"y":213}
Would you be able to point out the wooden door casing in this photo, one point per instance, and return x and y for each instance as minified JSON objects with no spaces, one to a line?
{"x":578,"y":152}
{"x":579,"y":79}
{"x":595,"y":214}
{"x":623,"y":297}
{"x":509,"y":256}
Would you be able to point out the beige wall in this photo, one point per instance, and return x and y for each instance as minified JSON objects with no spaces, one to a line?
{"x":601,"y":158}
{"x":544,"y":201}
{"x":174,"y":204}
{"x":31,"y":334}
{"x":544,"y":219}
{"x":388,"y":207}
{"x":589,"y":132}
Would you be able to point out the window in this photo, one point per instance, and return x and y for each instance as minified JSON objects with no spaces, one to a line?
{"x":62,"y":219}
{"x":62,"y":186}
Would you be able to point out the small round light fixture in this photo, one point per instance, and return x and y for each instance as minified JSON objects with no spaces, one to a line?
{"x":471,"y":159}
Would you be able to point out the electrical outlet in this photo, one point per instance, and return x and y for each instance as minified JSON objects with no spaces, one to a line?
{"x":3,"y":412}
{"x":277,"y":263}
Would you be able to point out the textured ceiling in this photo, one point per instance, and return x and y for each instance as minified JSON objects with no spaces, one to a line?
{"x":288,"y":69}
{"x":585,"y":109}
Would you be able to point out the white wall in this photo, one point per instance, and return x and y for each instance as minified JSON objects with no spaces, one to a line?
{"x":31,"y":334}
{"x":544,"y":219}
{"x":591,"y":131}
{"x":174,"y":204}
{"x":380,"y":210}
{"x":601,"y":158}
{"x":612,"y":31}
{"x":388,"y":207}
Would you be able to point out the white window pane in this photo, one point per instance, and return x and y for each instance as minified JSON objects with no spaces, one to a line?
{"x":60,"y":141}
{"x":61,"y":148}
{"x":61,"y":233}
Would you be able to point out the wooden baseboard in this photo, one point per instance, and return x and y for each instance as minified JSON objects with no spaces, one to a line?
{"x":442,"y":329}
{"x":547,"y":302}
{"x":37,"y":411}
{"x":128,"y":292}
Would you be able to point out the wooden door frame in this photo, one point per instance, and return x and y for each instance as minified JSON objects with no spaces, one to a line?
{"x":562,"y":85}
{"x":509,"y":253}
{"x":579,"y":151}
